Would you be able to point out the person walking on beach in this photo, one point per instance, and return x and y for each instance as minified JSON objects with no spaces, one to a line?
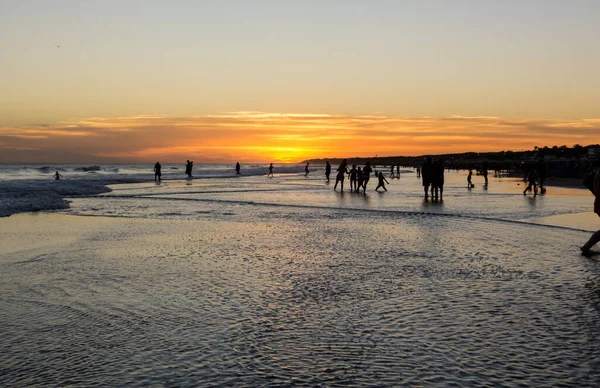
{"x":470,"y":184}
{"x":306,"y":170}
{"x":353,"y":180}
{"x":542,"y":173}
{"x":57,"y":176}
{"x":392,"y":172}
{"x":327,"y":170}
{"x":341,"y":176}
{"x":366,"y":176}
{"x":237,"y":168}
{"x":270,"y":171}
{"x":418,"y":171}
{"x":585,"y":249}
{"x":531,"y":179}
{"x":382,"y":181}
{"x":426,"y":174}
{"x":157,"y":172}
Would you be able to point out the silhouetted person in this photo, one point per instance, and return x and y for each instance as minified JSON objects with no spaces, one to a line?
{"x":237,"y":168}
{"x":359,"y":178}
{"x":270,"y":170}
{"x":353,"y":178}
{"x":542,"y":172}
{"x":484,"y":171}
{"x":327,"y":170}
{"x":188,"y":168}
{"x":585,"y":249}
{"x":57,"y":176}
{"x":392,"y":172}
{"x":366,"y":175}
{"x":426,"y":175}
{"x":306,"y":170}
{"x":441,"y":178}
{"x":157,"y":171}
{"x":418,"y":172}
{"x":398,"y":170}
{"x":435,"y":180}
{"x":469,"y":181}
{"x":531,"y":180}
{"x":342,"y":170}
{"x":382,"y":181}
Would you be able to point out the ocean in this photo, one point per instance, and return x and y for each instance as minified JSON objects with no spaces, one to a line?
{"x":110,"y":279}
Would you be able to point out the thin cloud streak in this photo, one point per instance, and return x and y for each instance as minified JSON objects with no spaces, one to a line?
{"x":281,"y":137}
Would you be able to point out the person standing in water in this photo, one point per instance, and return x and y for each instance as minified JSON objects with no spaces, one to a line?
{"x":484,"y":170}
{"x":585,"y":249}
{"x":237,"y":168}
{"x":157,"y":172}
{"x":306,"y":170}
{"x":188,"y":168}
{"x":441,"y":178}
{"x":426,"y":174}
{"x":382,"y":181}
{"x":435,"y":180}
{"x":270,"y":170}
{"x":57,"y":176}
{"x":341,"y":175}
{"x":353,"y":178}
{"x":327,"y":170}
{"x":366,"y":176}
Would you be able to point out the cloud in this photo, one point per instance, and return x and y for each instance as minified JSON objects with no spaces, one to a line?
{"x":282,"y":137}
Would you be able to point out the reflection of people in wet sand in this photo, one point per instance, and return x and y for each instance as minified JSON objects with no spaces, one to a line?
{"x":327,"y":170}
{"x":426,"y":174}
{"x":57,"y":176}
{"x":353,"y":178}
{"x":306,"y":170}
{"x":157,"y":172}
{"x":237,"y":168}
{"x":270,"y":170}
{"x":382,"y":181}
{"x":366,"y":176}
{"x":585,"y":249}
{"x":531,"y":180}
{"x":341,"y":175}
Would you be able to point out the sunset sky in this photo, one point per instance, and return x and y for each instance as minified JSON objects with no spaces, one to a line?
{"x":260,"y":81}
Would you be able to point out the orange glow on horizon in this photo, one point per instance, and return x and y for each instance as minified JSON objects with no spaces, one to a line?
{"x":256,"y":137}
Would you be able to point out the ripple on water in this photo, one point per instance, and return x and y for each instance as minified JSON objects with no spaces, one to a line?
{"x":369,"y":300}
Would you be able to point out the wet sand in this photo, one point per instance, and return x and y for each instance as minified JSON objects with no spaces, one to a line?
{"x":287,"y":283}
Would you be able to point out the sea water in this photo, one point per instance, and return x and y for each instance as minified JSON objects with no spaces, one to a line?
{"x":256,"y":281}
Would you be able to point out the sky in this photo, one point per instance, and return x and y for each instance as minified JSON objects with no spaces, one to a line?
{"x":283,"y":81}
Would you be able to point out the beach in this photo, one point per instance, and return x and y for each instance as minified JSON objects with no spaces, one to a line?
{"x":255,"y":281}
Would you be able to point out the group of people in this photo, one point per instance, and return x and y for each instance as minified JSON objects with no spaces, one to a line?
{"x":432,"y":173}
{"x":537,"y":174}
{"x":359,"y":177}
